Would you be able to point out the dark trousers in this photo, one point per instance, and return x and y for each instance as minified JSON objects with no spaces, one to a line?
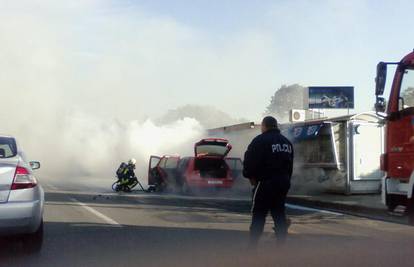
{"x":268,"y":196}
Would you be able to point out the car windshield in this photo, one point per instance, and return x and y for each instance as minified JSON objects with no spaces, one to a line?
{"x":8,"y":147}
{"x":407,"y":90}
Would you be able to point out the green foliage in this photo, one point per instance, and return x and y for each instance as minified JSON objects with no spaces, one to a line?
{"x":286,"y":98}
{"x":408,"y":95}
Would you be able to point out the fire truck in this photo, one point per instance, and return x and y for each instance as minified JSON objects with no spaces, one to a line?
{"x":398,"y":158}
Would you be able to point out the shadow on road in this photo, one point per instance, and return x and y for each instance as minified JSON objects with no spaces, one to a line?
{"x":85,"y":244}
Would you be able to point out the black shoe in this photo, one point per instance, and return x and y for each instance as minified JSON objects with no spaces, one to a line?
{"x":281,"y":236}
{"x":288,"y":224}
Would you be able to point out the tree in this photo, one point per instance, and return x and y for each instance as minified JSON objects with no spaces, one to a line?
{"x":408,"y":96}
{"x":286,"y":98}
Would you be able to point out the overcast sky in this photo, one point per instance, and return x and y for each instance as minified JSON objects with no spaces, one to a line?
{"x":137,"y":59}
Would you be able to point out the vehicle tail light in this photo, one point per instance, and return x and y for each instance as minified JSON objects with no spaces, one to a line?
{"x":23,"y":179}
{"x":384,"y":162}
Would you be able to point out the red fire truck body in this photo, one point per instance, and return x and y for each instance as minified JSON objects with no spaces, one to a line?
{"x":398,"y":159}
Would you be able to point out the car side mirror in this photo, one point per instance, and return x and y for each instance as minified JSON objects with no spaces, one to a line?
{"x":380,"y":105}
{"x":35,"y":165}
{"x":381,"y":78}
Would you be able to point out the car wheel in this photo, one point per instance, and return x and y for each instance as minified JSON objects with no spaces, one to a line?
{"x":33,"y":242}
{"x":391,"y":206}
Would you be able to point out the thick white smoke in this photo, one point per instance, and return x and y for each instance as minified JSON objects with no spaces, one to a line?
{"x":86,"y":145}
{"x":78,"y":86}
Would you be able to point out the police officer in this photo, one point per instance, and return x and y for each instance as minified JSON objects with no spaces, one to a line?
{"x":268,"y":164}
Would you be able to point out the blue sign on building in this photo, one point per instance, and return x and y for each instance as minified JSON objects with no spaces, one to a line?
{"x":298,"y":133}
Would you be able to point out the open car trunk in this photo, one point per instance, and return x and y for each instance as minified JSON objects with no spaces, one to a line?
{"x":212,"y":147}
{"x":211,"y":167}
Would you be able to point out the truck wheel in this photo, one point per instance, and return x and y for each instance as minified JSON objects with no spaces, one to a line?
{"x":410,"y":211}
{"x":33,"y":242}
{"x":391,"y":208}
{"x":391,"y":205}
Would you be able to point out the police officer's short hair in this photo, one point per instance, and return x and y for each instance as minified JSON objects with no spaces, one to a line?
{"x":270,"y":122}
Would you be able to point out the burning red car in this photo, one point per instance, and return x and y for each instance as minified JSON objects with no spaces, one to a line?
{"x":209,"y":168}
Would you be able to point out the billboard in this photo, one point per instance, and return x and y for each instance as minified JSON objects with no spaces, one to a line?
{"x":331,"y":97}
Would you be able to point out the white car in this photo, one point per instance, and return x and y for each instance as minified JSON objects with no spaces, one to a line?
{"x":21,"y":197}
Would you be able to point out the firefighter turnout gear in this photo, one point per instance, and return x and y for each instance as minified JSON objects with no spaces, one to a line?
{"x":126,"y":175}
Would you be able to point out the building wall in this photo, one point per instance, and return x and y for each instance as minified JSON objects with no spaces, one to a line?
{"x":306,"y":178}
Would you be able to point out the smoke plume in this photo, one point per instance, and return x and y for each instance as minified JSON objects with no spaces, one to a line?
{"x":81,"y":85}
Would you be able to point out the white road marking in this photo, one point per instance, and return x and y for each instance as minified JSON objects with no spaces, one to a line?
{"x":52,"y":186}
{"x":153,"y":195}
{"x":296,"y":207}
{"x":167,"y":196}
{"x":97,"y":213}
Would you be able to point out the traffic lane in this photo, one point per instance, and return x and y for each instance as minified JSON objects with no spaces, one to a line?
{"x":230,"y":204}
{"x":76,"y":237}
{"x":241,"y":192}
{"x":178,"y":211}
{"x":99,"y":245}
{"x":309,"y":225}
{"x":171,"y":210}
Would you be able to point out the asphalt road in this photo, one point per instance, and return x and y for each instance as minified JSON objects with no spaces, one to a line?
{"x":90,"y":228}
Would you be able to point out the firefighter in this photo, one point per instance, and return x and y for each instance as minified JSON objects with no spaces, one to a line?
{"x":268,"y":164}
{"x":126,"y":175}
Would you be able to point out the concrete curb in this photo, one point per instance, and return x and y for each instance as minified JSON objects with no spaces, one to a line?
{"x":351,"y":209}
